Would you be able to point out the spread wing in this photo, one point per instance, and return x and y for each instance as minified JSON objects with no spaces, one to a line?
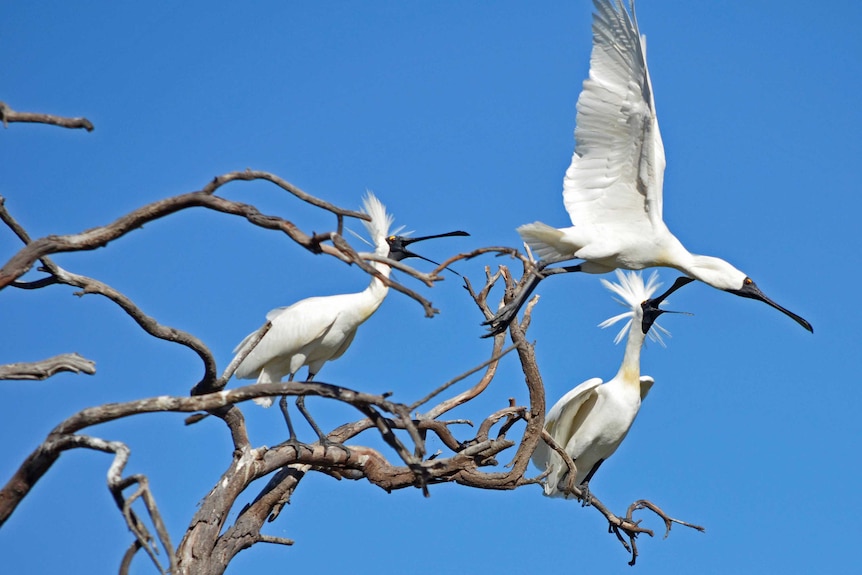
{"x":617,"y":169}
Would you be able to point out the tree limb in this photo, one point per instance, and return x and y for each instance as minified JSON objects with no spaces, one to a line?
{"x":48,"y":367}
{"x":8,"y":115}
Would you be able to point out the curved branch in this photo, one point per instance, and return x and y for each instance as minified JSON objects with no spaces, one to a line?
{"x":101,"y":236}
{"x":249,"y":175}
{"x":90,"y":285}
{"x":8,"y":115}
{"x":38,"y":462}
{"x":48,"y":367}
{"x":98,"y":237}
{"x":147,"y":323}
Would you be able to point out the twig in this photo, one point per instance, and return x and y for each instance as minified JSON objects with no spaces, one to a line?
{"x":38,"y":463}
{"x":8,"y":115}
{"x":570,"y":486}
{"x":668,"y":521}
{"x":437,"y":411}
{"x":275,"y":540}
{"x":48,"y":367}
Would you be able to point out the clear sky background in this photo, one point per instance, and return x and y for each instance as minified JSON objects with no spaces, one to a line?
{"x":457,"y":116}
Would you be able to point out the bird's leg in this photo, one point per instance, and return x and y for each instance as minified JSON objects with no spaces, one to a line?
{"x":507,"y":313}
{"x":300,"y":405}
{"x":585,"y":484}
{"x":325,"y":441}
{"x":283,"y":405}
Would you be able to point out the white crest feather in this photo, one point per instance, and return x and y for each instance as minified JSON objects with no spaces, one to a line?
{"x":380,"y":222}
{"x":633,"y":291}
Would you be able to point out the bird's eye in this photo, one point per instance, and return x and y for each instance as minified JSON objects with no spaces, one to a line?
{"x":747,"y":281}
{"x":390,"y":238}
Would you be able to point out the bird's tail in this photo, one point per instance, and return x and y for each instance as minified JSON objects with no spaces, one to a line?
{"x":263,"y":401}
{"x":558,"y":474}
{"x":545,"y":241}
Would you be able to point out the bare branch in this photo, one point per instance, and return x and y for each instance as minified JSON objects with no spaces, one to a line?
{"x":238,"y":359}
{"x":46,"y":454}
{"x":48,"y":367}
{"x":210,"y":541}
{"x":116,"y":484}
{"x":92,"y":286}
{"x":98,"y":237}
{"x":146,"y":322}
{"x":668,"y":521}
{"x":356,"y":258}
{"x":130,"y":553}
{"x":469,"y":394}
{"x":8,"y":115}
{"x":249,"y":175}
{"x":276,"y":540}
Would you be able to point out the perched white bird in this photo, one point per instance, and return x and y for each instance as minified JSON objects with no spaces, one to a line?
{"x":319,"y":329}
{"x":591,"y":420}
{"x":613,"y":187}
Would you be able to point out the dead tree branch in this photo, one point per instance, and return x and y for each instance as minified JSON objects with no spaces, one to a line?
{"x":46,"y":454}
{"x":48,"y":367}
{"x":623,"y":527}
{"x":470,"y":457}
{"x":8,"y":115}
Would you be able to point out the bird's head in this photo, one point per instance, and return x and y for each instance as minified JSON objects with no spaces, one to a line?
{"x":643,"y":311}
{"x":650,"y":308}
{"x":378,"y":226}
{"x":722,"y":275}
{"x":398,"y":246}
{"x":392,"y":245}
{"x":749,"y":289}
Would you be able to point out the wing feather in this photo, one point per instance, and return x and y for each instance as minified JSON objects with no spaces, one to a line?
{"x":561,"y":419}
{"x":617,"y":170}
{"x":292,"y":328}
{"x":646,"y":385}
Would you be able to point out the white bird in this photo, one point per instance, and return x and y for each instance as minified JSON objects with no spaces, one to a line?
{"x":591,"y":421}
{"x":613,"y":187}
{"x":320,"y":329}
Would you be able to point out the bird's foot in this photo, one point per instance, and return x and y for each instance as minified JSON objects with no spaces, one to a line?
{"x":586,"y":496}
{"x":327,"y":444}
{"x":322,"y":438}
{"x":502,"y":319}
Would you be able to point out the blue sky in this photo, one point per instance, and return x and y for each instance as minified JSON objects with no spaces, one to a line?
{"x":456,"y":116}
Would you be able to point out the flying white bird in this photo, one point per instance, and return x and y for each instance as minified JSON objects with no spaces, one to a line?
{"x":591,"y":420}
{"x":613,"y":187}
{"x":320,"y":329}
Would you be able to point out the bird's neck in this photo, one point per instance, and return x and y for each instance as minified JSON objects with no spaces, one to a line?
{"x":708,"y":269}
{"x":376,"y":291}
{"x":630,"y":369}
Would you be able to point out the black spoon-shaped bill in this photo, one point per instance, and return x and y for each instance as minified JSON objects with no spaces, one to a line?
{"x":750,"y":290}
{"x":398,"y":246}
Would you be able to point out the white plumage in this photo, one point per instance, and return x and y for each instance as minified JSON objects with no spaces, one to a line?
{"x":317,"y":329}
{"x":613,"y":187}
{"x":591,"y":420}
